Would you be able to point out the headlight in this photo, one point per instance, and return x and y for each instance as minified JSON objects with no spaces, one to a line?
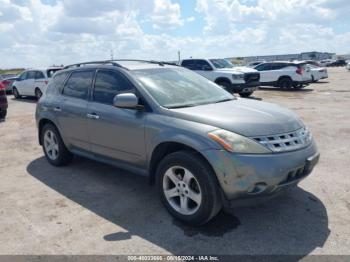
{"x":236,"y":143}
{"x":238,"y":77}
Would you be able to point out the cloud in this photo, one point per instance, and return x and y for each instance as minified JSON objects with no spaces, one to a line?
{"x":41,"y":33}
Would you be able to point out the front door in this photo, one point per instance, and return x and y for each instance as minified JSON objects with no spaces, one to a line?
{"x":115,"y":132}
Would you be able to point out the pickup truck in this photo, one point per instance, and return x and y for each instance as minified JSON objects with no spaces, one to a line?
{"x":241,"y":80}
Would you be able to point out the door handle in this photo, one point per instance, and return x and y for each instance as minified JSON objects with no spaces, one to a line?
{"x":93,"y":116}
{"x":57,"y":109}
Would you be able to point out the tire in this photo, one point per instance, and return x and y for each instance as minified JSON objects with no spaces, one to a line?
{"x":298,"y":86}
{"x":52,"y":141}
{"x":38,"y":93}
{"x":3,"y":114}
{"x":226,"y":85}
{"x":195,"y":180}
{"x":246,"y":94}
{"x":285,"y":83}
{"x":16,"y":93}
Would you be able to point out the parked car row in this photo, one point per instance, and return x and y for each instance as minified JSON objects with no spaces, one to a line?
{"x":33,"y":82}
{"x":202,"y":147}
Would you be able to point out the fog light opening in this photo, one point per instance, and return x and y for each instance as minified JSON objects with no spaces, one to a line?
{"x":258,"y":188}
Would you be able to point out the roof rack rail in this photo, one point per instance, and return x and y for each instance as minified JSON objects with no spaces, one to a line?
{"x":114,"y":63}
{"x":93,"y":63}
{"x":161,"y":63}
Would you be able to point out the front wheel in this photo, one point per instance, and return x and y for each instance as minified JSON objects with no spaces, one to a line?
{"x":285,"y":83}
{"x":16,"y":93}
{"x":55,"y":150}
{"x":188,"y":188}
{"x":226,"y":85}
{"x":246,"y":94}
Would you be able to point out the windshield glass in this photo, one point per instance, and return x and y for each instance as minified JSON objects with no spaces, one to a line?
{"x":179,"y":87}
{"x":221,"y":63}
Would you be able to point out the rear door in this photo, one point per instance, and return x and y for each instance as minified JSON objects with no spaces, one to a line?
{"x":28,"y":88}
{"x":117,"y":133}
{"x":40,"y":81}
{"x":71,"y":108}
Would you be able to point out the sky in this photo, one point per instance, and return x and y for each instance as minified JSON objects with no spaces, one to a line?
{"x":37,"y":33}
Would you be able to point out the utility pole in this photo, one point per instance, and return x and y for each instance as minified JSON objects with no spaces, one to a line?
{"x":179,"y":56}
{"x":112,"y":55}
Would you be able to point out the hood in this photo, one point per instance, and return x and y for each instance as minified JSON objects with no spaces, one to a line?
{"x":238,"y":69}
{"x":243,"y":116}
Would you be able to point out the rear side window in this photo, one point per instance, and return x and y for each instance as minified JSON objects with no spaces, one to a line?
{"x":108,"y":84}
{"x":78,"y":84}
{"x":39,"y":75}
{"x":57,"y":83}
{"x":31,"y":74}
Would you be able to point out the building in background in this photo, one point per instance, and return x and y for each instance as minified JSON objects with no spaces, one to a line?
{"x":287,"y":57}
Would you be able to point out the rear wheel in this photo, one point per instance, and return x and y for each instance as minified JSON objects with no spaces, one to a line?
{"x":55,"y":150}
{"x":38,"y":93}
{"x":188,"y":188}
{"x":246,"y":94}
{"x":285,"y":83}
{"x":16,"y":93}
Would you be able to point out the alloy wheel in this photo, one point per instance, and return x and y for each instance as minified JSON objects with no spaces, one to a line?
{"x":182,"y":190}
{"x":51,"y":145}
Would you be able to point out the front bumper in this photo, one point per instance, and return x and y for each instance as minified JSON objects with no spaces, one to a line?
{"x":245,"y":178}
{"x":245,"y":87}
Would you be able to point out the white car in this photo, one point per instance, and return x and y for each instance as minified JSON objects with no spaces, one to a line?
{"x":348,"y":65}
{"x":285,"y":75}
{"x":33,"y":82}
{"x":242,"y":80}
{"x":317,"y":73}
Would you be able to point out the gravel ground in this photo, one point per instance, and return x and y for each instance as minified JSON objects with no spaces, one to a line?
{"x":92,"y":208}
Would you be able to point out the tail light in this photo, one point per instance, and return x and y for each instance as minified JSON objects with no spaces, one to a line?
{"x":299,"y":71}
{"x":6,"y":82}
{"x":2,"y":87}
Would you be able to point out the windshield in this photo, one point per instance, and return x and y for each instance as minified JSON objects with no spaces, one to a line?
{"x":221,"y":63}
{"x":179,"y":87}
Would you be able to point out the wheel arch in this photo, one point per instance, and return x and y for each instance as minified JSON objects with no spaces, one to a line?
{"x":165,"y":148}
{"x":222,"y":79}
{"x":41,"y":124}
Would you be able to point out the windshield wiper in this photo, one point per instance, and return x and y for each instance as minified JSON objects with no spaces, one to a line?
{"x":224,"y":100}
{"x":181,"y":106}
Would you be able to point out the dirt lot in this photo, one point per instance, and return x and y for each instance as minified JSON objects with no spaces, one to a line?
{"x":92,"y":208}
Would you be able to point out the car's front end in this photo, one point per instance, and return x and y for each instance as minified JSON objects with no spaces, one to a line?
{"x":250,"y":176}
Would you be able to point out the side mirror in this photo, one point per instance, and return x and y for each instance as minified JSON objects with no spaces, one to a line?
{"x":127,"y":100}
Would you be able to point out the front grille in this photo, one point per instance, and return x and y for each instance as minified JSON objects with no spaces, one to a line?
{"x":251,"y":77}
{"x":287,"y":141}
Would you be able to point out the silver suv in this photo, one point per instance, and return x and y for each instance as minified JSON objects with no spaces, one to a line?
{"x":201,"y":146}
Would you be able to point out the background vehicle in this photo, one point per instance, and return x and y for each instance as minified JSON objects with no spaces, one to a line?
{"x":182,"y":130}
{"x":254,"y":64}
{"x":7,"y":81}
{"x":326,"y":62}
{"x":348,"y":65}
{"x":285,"y":75}
{"x":242,"y":80}
{"x":33,"y":82}
{"x":339,"y":62}
{"x":318,"y":73}
{"x":3,"y":102}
